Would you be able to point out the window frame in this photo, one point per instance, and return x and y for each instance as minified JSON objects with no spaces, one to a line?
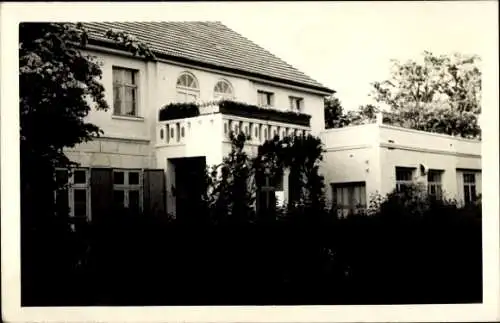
{"x":467,"y":186}
{"x":187,"y":91}
{"x":296,"y":103}
{"x":437,"y":185}
{"x":268,"y":187}
{"x":269,"y":98}
{"x":122,"y":87}
{"x":351,"y":207}
{"x":224,"y":95}
{"x":71,"y":186}
{"x":402,"y":183}
{"x":126,"y":187}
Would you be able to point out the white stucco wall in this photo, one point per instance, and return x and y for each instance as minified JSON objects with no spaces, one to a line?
{"x":371,"y":153}
{"x":412,"y":148}
{"x":313,"y":104}
{"x":113,"y":153}
{"x":351,"y":155}
{"x":157,"y":87}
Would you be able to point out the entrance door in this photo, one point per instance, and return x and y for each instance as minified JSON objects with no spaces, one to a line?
{"x":189,"y":178}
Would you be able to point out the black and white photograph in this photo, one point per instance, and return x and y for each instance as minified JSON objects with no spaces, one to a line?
{"x":250,"y":161}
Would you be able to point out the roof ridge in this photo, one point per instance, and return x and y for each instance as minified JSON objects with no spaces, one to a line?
{"x":209,"y":42}
{"x":270,"y":53}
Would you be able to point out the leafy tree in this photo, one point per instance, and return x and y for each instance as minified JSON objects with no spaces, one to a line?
{"x":334,"y":113}
{"x":59,"y":84}
{"x":336,"y":117}
{"x":230,"y":185}
{"x":441,"y":94}
{"x":301,"y":155}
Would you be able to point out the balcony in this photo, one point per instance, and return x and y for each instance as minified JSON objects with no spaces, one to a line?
{"x":210,"y":124}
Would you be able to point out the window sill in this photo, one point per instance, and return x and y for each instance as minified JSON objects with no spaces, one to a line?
{"x":129,"y":118}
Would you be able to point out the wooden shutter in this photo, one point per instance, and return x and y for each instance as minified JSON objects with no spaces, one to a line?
{"x":154,"y":191}
{"x":101,"y":188}
{"x":62,"y":202}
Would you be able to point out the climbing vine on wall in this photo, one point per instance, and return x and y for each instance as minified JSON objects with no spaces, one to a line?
{"x":233,"y":185}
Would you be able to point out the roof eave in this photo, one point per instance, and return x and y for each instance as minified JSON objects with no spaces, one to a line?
{"x":113,"y":45}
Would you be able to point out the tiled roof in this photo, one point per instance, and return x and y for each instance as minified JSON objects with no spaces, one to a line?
{"x":210,"y":44}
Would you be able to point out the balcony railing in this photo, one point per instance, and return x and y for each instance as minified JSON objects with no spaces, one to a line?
{"x":190,"y":123}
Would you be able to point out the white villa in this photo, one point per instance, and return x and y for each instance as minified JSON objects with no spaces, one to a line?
{"x":147,"y":162}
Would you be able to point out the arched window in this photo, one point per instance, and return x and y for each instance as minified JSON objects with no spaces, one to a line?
{"x":223,"y":90}
{"x":187,"y":88}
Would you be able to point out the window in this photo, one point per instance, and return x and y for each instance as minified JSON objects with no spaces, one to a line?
{"x":127,"y":189}
{"x":434,"y":186}
{"x":223,"y":90}
{"x":469,"y":187}
{"x":349,"y":198}
{"x":187,"y":88}
{"x":296,"y":104}
{"x":270,"y":193}
{"x":73,"y":193}
{"x":125,"y":92}
{"x":265,"y":99}
{"x":404,"y":177}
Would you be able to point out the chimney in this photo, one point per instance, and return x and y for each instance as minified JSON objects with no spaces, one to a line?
{"x":380,"y":117}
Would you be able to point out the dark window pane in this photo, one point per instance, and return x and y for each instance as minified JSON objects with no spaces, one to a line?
{"x":438,"y":192}
{"x":118,"y":178}
{"x":130,"y":101}
{"x":80,"y":176}
{"x":466,"y":194}
{"x":133,"y":200}
{"x":117,"y":75}
{"x":80,"y":202}
{"x":403,"y":174}
{"x":118,"y":198}
{"x":469,"y":178}
{"x":473,"y":192}
{"x":133,"y":178}
{"x":118,"y":98}
{"x":434,"y":176}
{"x":129,"y":76}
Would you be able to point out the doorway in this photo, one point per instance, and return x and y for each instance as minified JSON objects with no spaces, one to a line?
{"x":189,"y":187}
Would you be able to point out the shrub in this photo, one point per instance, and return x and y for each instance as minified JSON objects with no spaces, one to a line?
{"x":178,"y":111}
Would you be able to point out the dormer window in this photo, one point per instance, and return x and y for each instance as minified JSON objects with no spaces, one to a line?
{"x":188,"y":89}
{"x":265,"y":99}
{"x":223,"y":90}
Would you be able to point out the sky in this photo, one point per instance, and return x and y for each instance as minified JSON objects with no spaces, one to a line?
{"x":347,"y":46}
{"x":344,"y":45}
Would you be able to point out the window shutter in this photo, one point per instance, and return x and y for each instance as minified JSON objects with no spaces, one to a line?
{"x":101,"y":187}
{"x":62,"y":203}
{"x":154,"y":191}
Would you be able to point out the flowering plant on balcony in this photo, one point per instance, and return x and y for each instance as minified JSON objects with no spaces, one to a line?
{"x":253,"y":111}
{"x":235,"y":108}
{"x":174,"y":111}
